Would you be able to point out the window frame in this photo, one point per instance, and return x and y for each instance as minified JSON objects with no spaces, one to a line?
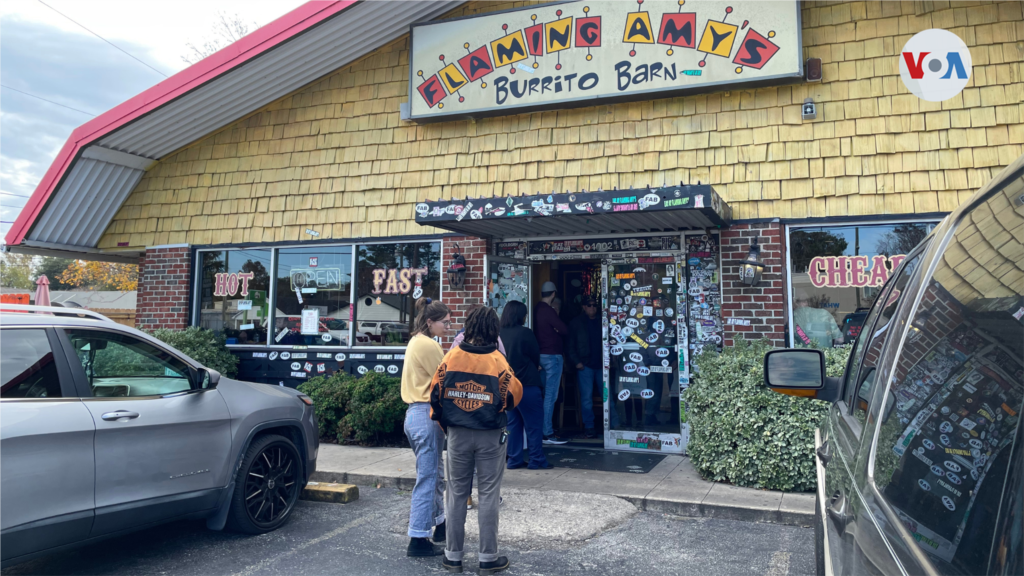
{"x":196,"y":286}
{"x":82,"y":380}
{"x":884,"y":294}
{"x":69,"y":389}
{"x":357,"y":324}
{"x":272,"y":317}
{"x":790,"y":228}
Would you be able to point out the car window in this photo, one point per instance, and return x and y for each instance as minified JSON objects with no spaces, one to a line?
{"x":29,"y":369}
{"x":955,"y":397}
{"x":859,"y":345}
{"x":866,"y":369}
{"x":120,"y":365}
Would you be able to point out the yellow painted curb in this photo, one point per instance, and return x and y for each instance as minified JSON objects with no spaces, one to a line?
{"x":330,"y":492}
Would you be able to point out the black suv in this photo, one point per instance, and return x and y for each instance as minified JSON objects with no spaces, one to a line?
{"x":921,"y":459}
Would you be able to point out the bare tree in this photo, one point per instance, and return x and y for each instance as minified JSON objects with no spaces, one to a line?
{"x":227,"y":29}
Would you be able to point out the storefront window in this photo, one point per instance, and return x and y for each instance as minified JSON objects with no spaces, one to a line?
{"x":233,"y":294}
{"x":312,"y":296}
{"x":836,"y":274}
{"x":390,"y":279}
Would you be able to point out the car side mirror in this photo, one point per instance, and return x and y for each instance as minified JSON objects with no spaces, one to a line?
{"x":208,"y":378}
{"x":800,"y":372}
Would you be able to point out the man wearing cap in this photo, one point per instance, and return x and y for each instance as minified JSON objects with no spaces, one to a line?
{"x":550,"y":331}
{"x":583,"y":349}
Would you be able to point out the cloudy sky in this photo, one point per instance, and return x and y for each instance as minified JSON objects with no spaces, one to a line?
{"x":48,"y":56}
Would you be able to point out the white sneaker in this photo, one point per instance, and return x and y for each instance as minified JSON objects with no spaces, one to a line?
{"x":552,"y":440}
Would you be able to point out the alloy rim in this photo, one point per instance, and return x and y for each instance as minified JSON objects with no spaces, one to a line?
{"x":270,"y":485}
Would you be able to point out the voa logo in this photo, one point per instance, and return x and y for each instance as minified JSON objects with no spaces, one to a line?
{"x":935,"y":65}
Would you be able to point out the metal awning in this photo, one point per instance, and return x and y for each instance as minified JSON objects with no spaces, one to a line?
{"x":105,"y":158}
{"x":662,"y":209}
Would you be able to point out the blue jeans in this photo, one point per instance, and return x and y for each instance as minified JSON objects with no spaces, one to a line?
{"x":427,"y":441}
{"x":552,"y":377}
{"x":528,"y":414}
{"x":588,"y":378}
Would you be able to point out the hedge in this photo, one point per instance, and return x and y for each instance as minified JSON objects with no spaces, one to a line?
{"x":202,"y":345}
{"x":742,"y":432}
{"x":357,"y":408}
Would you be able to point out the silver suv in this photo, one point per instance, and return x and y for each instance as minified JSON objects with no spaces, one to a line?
{"x":106,"y":430}
{"x":920,"y":461}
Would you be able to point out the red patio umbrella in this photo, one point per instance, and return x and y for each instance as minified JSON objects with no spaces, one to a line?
{"x":43,"y":291}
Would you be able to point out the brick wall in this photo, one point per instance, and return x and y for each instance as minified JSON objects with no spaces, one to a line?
{"x":765,"y":304}
{"x":164,"y":277}
{"x":473,"y":249}
{"x":336,"y":158}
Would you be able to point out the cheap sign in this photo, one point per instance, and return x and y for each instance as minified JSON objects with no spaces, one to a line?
{"x":852,"y":271}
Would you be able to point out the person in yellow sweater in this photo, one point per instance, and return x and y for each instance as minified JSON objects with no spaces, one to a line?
{"x":422,"y":357}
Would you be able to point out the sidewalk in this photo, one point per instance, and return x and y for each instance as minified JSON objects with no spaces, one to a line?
{"x":673,"y":486}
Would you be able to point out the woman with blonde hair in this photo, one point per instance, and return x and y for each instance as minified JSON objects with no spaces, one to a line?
{"x":422,"y":357}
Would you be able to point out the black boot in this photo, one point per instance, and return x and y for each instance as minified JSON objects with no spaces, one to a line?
{"x":452,"y":565}
{"x":488,"y":568}
{"x":439,"y":533}
{"x":422,"y":547}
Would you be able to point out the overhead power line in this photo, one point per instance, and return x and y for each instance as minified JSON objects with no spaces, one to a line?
{"x":102,"y":38}
{"x":45,"y":100}
{"x":13,"y":194}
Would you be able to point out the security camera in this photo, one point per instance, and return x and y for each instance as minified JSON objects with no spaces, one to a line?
{"x":809,"y":110}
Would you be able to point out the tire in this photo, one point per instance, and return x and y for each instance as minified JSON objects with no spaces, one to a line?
{"x":267,"y":486}
{"x":819,"y":538}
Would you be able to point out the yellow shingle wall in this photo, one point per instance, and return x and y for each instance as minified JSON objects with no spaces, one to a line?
{"x":335,"y":157}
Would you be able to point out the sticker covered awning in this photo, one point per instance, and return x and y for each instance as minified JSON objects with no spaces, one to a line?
{"x":664,"y":209}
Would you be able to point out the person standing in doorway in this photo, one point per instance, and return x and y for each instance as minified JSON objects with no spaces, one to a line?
{"x":422,"y":357}
{"x":524,"y":357}
{"x":470,"y":394}
{"x":550,"y":331}
{"x":584,"y":351}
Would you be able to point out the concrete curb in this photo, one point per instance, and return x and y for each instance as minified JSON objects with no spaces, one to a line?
{"x":653,"y":504}
{"x":726,"y":512}
{"x":330,"y":492}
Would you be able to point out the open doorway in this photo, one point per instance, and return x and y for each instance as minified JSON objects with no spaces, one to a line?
{"x":575,"y":281}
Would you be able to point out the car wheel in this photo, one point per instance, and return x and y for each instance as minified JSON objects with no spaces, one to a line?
{"x":266,"y":487}
{"x":819,"y":538}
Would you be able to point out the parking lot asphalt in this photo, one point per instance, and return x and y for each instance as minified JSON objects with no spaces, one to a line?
{"x":366,"y":538}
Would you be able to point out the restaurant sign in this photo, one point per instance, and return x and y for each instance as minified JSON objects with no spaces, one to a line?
{"x":599,"y":245}
{"x":568,"y":52}
{"x":852,"y":271}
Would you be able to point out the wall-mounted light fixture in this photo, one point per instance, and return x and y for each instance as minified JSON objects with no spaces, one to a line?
{"x":457,"y":271}
{"x":752,"y":268}
{"x":809,"y":111}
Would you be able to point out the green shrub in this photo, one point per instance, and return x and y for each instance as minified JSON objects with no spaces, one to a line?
{"x":742,"y":432}
{"x":375,"y":408}
{"x":330,"y":395}
{"x":361,"y":409}
{"x":203,"y":346}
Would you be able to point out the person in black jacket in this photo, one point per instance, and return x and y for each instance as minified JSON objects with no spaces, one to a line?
{"x":583,"y":350}
{"x":524,"y":356}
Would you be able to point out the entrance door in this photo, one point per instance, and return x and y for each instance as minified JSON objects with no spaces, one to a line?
{"x":642,"y":317}
{"x":508,"y":279}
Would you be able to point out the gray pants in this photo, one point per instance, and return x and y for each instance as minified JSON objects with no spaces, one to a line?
{"x":482,"y":450}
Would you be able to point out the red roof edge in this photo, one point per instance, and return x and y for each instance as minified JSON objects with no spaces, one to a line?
{"x":224,"y":60}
